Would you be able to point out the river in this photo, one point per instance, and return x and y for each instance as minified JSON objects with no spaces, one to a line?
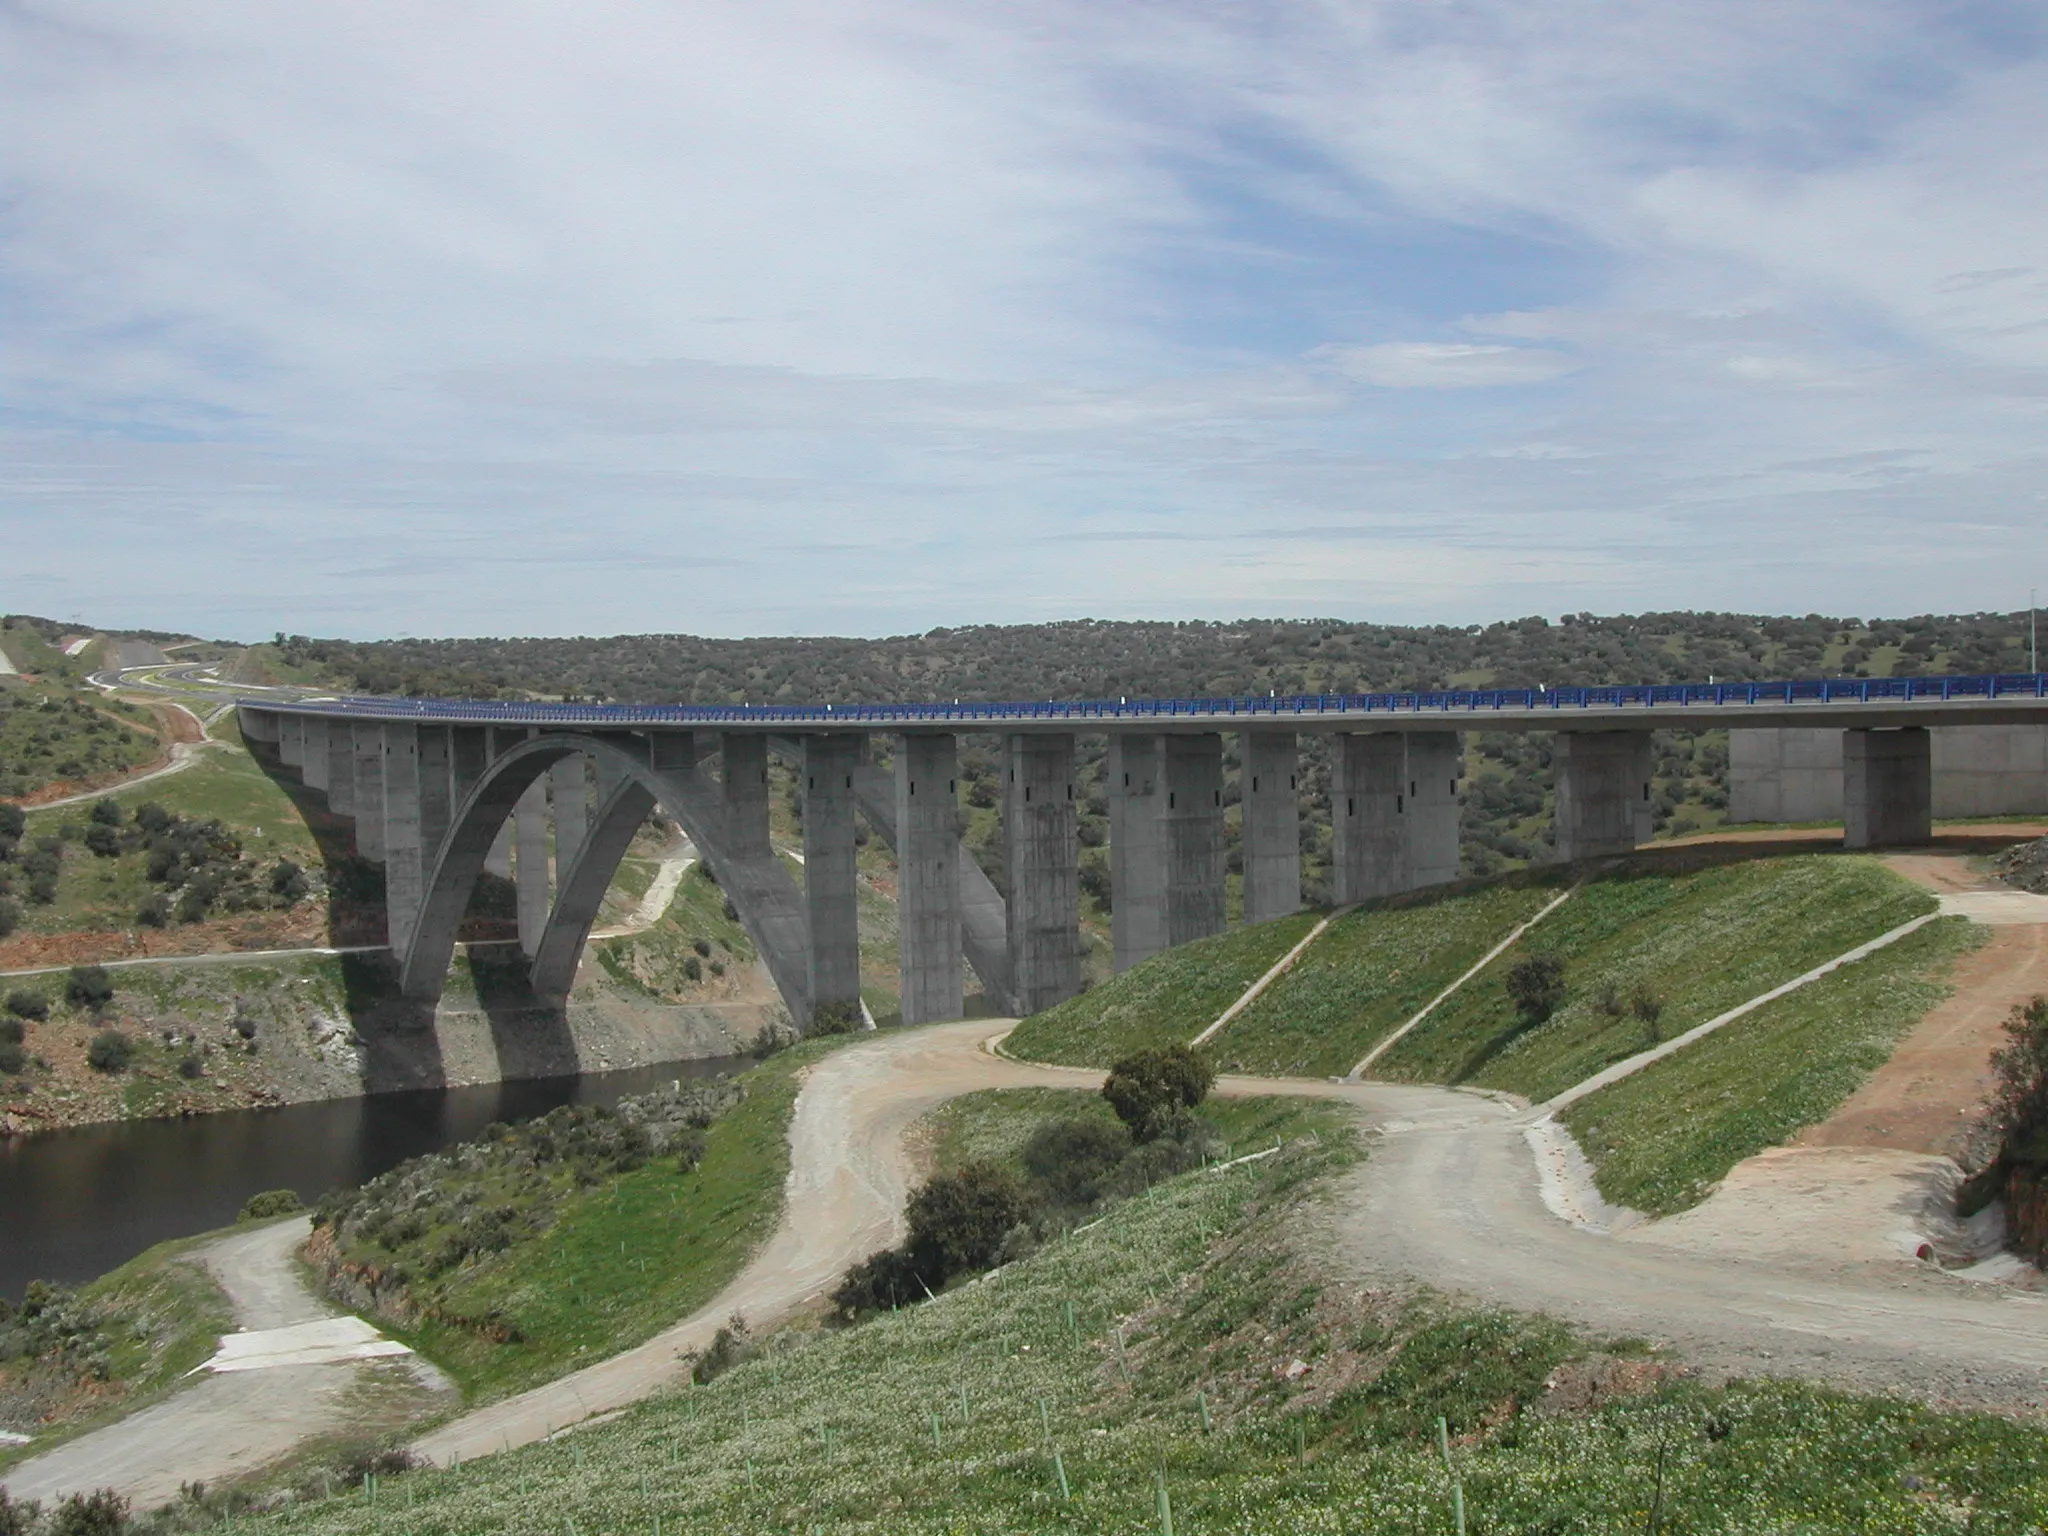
{"x":75,"y":1204}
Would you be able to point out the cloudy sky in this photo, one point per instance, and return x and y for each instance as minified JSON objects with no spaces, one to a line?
{"x":746,"y":316}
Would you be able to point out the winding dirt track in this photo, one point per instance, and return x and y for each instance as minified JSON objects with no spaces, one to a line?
{"x":1449,"y":1197}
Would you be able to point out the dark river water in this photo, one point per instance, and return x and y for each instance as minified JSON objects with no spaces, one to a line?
{"x":74,"y":1204}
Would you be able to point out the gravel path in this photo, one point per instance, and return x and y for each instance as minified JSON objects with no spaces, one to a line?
{"x":221,"y":1426}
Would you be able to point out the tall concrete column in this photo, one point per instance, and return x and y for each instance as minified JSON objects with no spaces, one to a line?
{"x":404,"y":858}
{"x":1137,"y":848}
{"x":1272,"y":824}
{"x":571,"y":792}
{"x":258,"y":724}
{"x":928,"y":877}
{"x":435,"y":809}
{"x":530,"y":845}
{"x":1436,"y":762}
{"x":831,"y":879}
{"x":469,"y":754}
{"x":1192,"y":770}
{"x":341,"y":767}
{"x":1603,"y":792}
{"x":291,"y":740}
{"x":1887,"y":787}
{"x":367,"y":738}
{"x":1042,"y":855}
{"x":1368,"y":805}
{"x":746,"y":792}
{"x":313,"y":770}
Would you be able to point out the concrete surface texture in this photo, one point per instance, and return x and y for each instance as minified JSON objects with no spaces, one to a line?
{"x":1603,"y":792}
{"x":928,"y":877}
{"x":1042,"y":860}
{"x":1887,"y":788}
{"x":831,"y":878}
{"x":1137,"y":846}
{"x":1192,"y":775}
{"x":1268,"y":787}
{"x":1795,"y":774}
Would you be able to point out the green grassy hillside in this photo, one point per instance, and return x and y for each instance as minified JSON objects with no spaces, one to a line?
{"x":1696,"y":930}
{"x":1661,"y":1138}
{"x":1171,"y":997}
{"x":1185,"y":1344}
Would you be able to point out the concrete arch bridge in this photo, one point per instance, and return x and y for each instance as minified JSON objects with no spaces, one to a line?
{"x":441,"y":790}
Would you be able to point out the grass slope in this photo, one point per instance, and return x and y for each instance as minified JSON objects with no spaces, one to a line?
{"x":629,"y":1257}
{"x":1108,"y":1348}
{"x":1171,"y":997}
{"x":1700,"y":931}
{"x":1369,"y":973}
{"x":1660,"y":1140}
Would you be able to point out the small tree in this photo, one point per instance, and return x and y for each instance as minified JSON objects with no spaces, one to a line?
{"x":105,"y":813}
{"x":10,"y":917}
{"x":1536,"y":987}
{"x":110,"y":1052}
{"x":89,"y":986}
{"x":1069,"y":1159}
{"x":958,"y":1220}
{"x":104,"y":1513}
{"x":1153,"y":1090}
{"x":24,"y":1004}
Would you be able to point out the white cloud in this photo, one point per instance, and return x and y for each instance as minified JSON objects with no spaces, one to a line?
{"x":1446,"y":365}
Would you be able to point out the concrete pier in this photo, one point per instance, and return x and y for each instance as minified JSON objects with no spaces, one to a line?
{"x":1040,"y":837}
{"x":1795,"y":774}
{"x":530,"y":847}
{"x":404,"y":853}
{"x":746,"y":793}
{"x":1603,"y":792}
{"x":341,"y":767}
{"x":291,"y":740}
{"x":1267,"y":793}
{"x":435,"y":806}
{"x":1137,"y":847}
{"x":1436,"y":762}
{"x":313,"y":766}
{"x":367,"y":742}
{"x":1887,"y":788}
{"x":1192,"y":773}
{"x":1368,"y":805}
{"x":831,"y":877}
{"x":928,"y":876}
{"x":569,"y":790}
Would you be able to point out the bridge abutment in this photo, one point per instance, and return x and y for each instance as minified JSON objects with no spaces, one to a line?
{"x":928,"y":877}
{"x":1887,"y":788}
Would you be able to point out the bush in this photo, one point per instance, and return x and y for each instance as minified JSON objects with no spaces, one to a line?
{"x":24,"y":1004}
{"x":1536,"y":987}
{"x":702,"y":946}
{"x":890,"y":1278}
{"x":104,"y":1513}
{"x":958,"y":1220}
{"x":288,"y":882}
{"x":191,"y":1066}
{"x":89,"y":986}
{"x":155,"y":911}
{"x":12,"y":1031}
{"x":10,"y":917}
{"x":837,"y":1017}
{"x":110,"y":1052}
{"x":732,"y":1345}
{"x":13,"y":1059}
{"x":1069,"y":1159}
{"x":105,"y":813}
{"x":693,"y":968}
{"x":1153,"y":1090}
{"x":152,"y":818}
{"x":272,"y":1202}
{"x":102,"y":840}
{"x":17,"y":1519}
{"x":688,"y":1145}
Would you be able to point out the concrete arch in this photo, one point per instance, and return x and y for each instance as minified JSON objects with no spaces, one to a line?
{"x":767,"y":900}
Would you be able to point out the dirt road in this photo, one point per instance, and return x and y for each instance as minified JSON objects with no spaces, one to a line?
{"x":225,"y":1426}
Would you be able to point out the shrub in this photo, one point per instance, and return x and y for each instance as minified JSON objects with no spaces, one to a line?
{"x":288,"y":882}
{"x":688,"y":1145}
{"x":155,"y":911}
{"x":24,"y":1004}
{"x":105,"y":813}
{"x":958,"y":1220}
{"x":13,"y":822}
{"x":837,"y":1017}
{"x":152,"y":817}
{"x":693,"y":968}
{"x":104,"y":1513}
{"x":1536,"y":987}
{"x":702,"y":946}
{"x":191,"y":1066}
{"x":17,"y":1519}
{"x":732,"y":1345}
{"x":103,"y":841}
{"x":10,"y":917}
{"x":1152,"y":1090}
{"x":1068,"y":1159}
{"x":890,"y":1278}
{"x":11,"y":1031}
{"x":272,"y":1202}
{"x":42,"y":890}
{"x":2018,"y":1116}
{"x":89,"y":986}
{"x":110,"y":1052}
{"x":13,"y":1059}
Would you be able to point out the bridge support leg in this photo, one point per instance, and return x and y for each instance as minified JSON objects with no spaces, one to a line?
{"x":571,"y":790}
{"x":1193,"y":775}
{"x":1137,"y":848}
{"x":1887,"y":787}
{"x":404,"y":859}
{"x":928,"y":876}
{"x":1436,"y":761}
{"x":530,"y":838}
{"x":1042,"y":855}
{"x":341,"y":767}
{"x":1603,"y":792}
{"x":368,"y":739}
{"x":313,"y":769}
{"x":1368,"y":814}
{"x":746,"y":793}
{"x":831,"y":879}
{"x":1272,"y":825}
{"x":291,"y":740}
{"x":435,"y":806}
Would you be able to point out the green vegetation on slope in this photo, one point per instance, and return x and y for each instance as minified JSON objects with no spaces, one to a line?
{"x":1110,"y":1347}
{"x":51,"y":734}
{"x":1698,"y":930}
{"x":1370,"y":973}
{"x":1661,"y":1138}
{"x":621,"y":1258}
{"x":72,"y":1359}
{"x":1166,"y":1001}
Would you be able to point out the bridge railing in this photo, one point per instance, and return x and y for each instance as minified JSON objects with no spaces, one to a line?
{"x":1450,"y":702}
